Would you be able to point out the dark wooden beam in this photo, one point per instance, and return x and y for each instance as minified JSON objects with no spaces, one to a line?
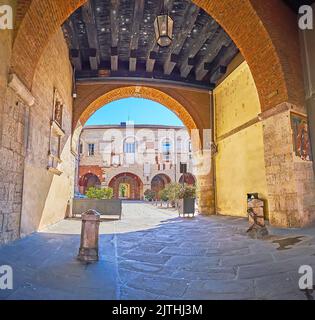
{"x":189,"y":21}
{"x":217,"y":42}
{"x":114,"y":23}
{"x":206,"y":32}
{"x":154,"y":47}
{"x":133,"y":60}
{"x":114,"y":58}
{"x":91,"y":32}
{"x":137,"y":19}
{"x":219,"y":66}
{"x":217,"y":74}
{"x":151,"y":61}
{"x":73,"y":42}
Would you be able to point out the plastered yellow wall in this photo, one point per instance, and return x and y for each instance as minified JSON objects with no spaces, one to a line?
{"x":240,"y":167}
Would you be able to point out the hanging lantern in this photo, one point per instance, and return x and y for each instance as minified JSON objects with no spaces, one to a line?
{"x":163,"y":26}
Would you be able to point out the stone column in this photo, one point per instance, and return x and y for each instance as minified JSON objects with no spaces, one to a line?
{"x":89,"y":236}
{"x":290,"y":180}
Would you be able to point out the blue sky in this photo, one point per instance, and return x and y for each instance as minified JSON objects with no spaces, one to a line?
{"x":141,"y":111}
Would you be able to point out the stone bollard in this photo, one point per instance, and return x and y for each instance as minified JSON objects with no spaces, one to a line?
{"x":255,"y":209}
{"x":89,"y":236}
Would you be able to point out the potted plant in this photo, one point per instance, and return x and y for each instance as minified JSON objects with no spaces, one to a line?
{"x":149,"y":195}
{"x":163,"y":195}
{"x":99,"y":199}
{"x":173,"y":190}
{"x":187,"y":199}
{"x":99,"y":193}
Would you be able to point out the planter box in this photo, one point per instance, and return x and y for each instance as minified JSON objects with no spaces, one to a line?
{"x":186,"y":206}
{"x":104,"y":207}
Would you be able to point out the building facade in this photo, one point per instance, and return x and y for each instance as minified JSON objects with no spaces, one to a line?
{"x":134,"y":158}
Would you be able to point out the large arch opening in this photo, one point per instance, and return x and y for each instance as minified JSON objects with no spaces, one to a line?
{"x":192,"y":82}
{"x":233,"y":68}
{"x":131,"y":154}
{"x":84,"y":109}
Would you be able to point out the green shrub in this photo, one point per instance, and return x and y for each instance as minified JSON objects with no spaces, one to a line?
{"x":109,"y":193}
{"x":187,"y":191}
{"x":149,"y":195}
{"x":99,"y":193}
{"x":163,"y":194}
{"x":173,"y":190}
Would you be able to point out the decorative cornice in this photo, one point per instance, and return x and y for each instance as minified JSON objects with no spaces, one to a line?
{"x":20,"y":89}
{"x":283,"y":107}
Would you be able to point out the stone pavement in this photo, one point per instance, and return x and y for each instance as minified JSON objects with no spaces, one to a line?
{"x":153,"y":254}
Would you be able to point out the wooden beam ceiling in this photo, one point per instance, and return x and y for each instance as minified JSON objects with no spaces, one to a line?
{"x":115,"y":38}
{"x":188,"y":59}
{"x":189,"y":21}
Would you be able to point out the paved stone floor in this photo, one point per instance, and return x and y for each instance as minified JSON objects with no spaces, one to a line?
{"x":153,"y":254}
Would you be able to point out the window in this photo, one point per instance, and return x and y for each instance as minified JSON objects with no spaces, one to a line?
{"x":129,"y":147}
{"x":91,"y":149}
{"x":166,"y":149}
{"x":81,"y":148}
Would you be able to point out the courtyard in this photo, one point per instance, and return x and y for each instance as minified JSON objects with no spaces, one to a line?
{"x":154,"y":254}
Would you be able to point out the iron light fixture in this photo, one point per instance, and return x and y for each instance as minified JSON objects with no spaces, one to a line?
{"x":163,"y":26}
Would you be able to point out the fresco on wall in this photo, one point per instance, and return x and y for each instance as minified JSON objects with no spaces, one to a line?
{"x":301,"y":140}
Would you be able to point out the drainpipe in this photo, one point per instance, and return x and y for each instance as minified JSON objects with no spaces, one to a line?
{"x":213,"y":143}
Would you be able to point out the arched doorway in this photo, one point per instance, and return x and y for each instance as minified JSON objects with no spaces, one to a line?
{"x":187,"y":178}
{"x":159,"y":182}
{"x":87,"y":181}
{"x":127,"y":186}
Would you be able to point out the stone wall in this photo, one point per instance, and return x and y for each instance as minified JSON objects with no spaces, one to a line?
{"x":12,"y":155}
{"x":12,"y":148}
{"x":290,"y":179}
{"x":46,"y":197}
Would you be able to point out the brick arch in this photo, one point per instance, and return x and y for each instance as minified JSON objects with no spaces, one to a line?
{"x":159,"y":182}
{"x":264,"y":31}
{"x":188,"y":178}
{"x":139,"y":92}
{"x":88,"y":180}
{"x":136,"y":185}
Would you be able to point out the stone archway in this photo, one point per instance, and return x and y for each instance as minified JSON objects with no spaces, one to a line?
{"x":277,"y":71}
{"x":87,"y":181}
{"x":187,"y":178}
{"x":127,"y":186}
{"x":159,"y":182}
{"x":270,"y":44}
{"x":92,"y":102}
